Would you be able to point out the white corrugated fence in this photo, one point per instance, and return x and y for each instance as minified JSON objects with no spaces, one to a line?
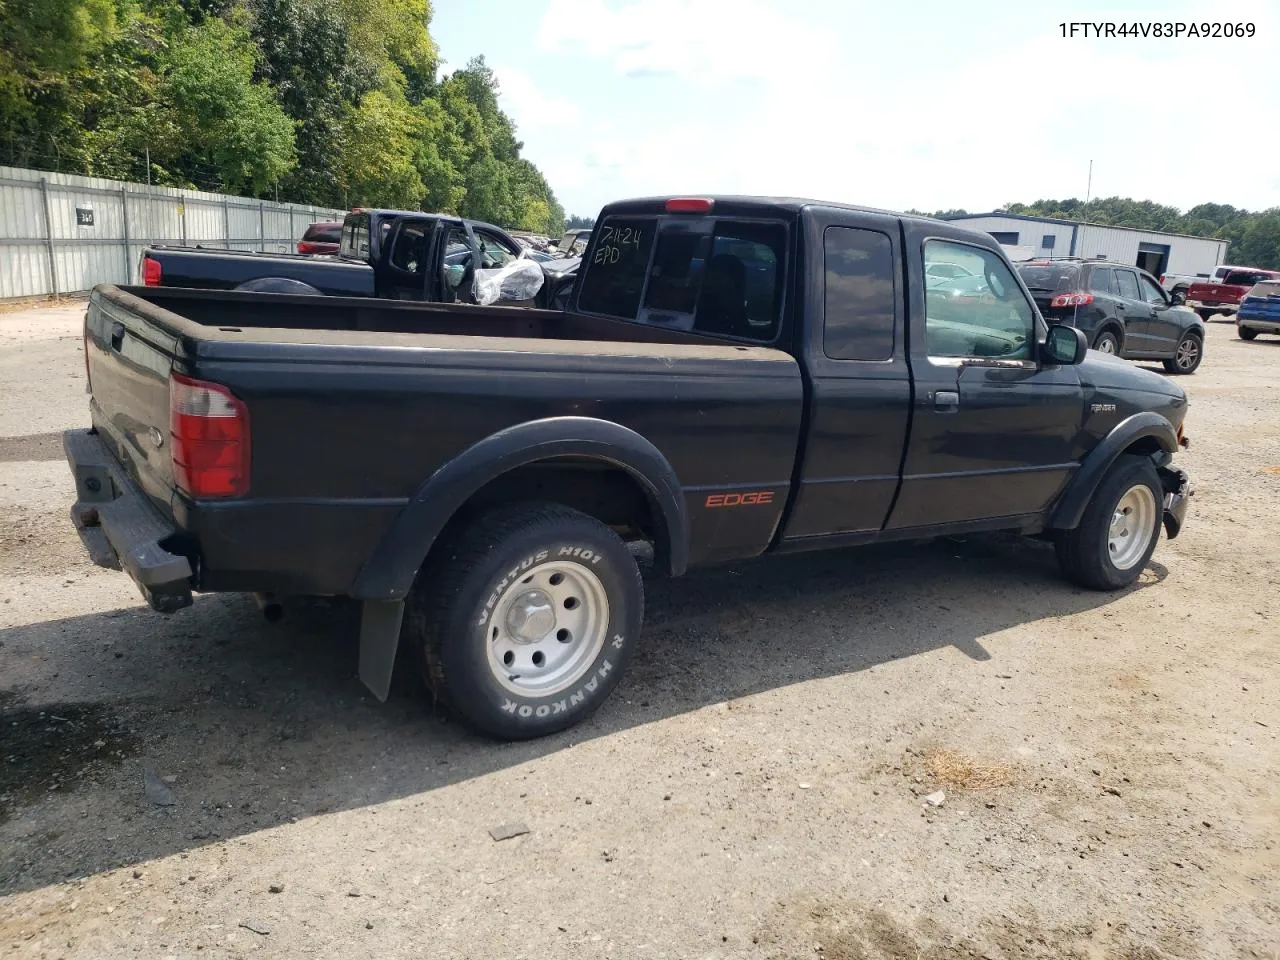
{"x":63,"y":234}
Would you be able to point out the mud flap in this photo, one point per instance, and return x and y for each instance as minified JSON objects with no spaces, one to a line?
{"x":1177,"y":491}
{"x":379,"y":638}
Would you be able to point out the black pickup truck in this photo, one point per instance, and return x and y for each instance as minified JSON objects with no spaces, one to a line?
{"x":733,"y":376}
{"x":392,"y":254}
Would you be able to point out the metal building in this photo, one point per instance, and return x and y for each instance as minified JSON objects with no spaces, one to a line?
{"x":1157,"y":253}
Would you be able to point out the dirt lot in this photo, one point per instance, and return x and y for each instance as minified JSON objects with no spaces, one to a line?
{"x":756,"y":788}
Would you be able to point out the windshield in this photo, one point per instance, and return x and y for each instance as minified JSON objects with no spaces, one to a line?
{"x":1050,"y":278}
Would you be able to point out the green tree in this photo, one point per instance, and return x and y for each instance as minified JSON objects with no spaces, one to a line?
{"x":378,"y":141}
{"x":223,"y":112}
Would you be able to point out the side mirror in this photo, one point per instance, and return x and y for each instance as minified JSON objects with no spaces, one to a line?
{"x":1065,"y":345}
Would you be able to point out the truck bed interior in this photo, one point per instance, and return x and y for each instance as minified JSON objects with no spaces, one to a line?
{"x":233,"y":310}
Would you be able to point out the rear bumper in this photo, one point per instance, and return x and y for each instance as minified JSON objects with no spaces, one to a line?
{"x":1257,"y":323}
{"x":119,"y":526}
{"x":1177,"y":491}
{"x":1219,"y":307}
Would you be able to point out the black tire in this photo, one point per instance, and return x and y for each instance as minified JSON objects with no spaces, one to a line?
{"x":1187,"y":354}
{"x":1107,"y":336}
{"x":1246,"y":333}
{"x":1084,"y":553}
{"x":451,"y":615}
{"x":1207,"y":315}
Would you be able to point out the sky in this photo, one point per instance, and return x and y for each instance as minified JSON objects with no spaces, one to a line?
{"x":922,"y":105}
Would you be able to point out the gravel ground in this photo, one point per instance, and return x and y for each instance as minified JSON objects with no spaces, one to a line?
{"x":210,"y":785}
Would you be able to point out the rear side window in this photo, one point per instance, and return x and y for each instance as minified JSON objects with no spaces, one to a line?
{"x":717,"y":277}
{"x":1128,"y":281}
{"x":1102,"y":280}
{"x":859,"y":298}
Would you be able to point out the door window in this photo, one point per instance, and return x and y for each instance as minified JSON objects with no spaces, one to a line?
{"x":985,"y":315}
{"x":1102,"y":280}
{"x":1152,"y":293}
{"x":409,"y":249}
{"x":858,"y":305}
{"x":494,"y":252}
{"x":1128,"y":281}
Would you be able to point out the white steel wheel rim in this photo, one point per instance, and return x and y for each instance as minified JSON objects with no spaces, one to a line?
{"x":1133,"y":524}
{"x":1188,"y":350}
{"x":547,"y":629}
{"x":1107,"y":345}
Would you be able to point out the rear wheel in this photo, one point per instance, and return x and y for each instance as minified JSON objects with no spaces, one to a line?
{"x":526,"y":620}
{"x":1107,"y":342}
{"x":1207,"y":315}
{"x":1246,"y":333}
{"x":1119,"y":529}
{"x":1187,"y":356}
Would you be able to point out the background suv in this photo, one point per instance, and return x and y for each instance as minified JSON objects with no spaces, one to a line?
{"x":1121,"y":310}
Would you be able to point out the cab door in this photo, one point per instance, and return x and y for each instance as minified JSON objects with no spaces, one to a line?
{"x":994,"y":429}
{"x":406,"y":254}
{"x":855,"y":355}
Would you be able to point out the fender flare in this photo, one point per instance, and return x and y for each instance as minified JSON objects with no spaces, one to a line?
{"x":390,"y":570}
{"x":1140,"y":426}
{"x":278,"y":285}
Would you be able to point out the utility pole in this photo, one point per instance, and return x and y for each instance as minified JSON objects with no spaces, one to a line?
{"x":148,"y":149}
{"x":1088,"y":190}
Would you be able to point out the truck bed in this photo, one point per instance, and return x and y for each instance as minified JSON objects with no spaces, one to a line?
{"x":355,"y":404}
{"x":238,"y":313}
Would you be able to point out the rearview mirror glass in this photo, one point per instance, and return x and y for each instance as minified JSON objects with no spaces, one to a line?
{"x":1065,"y":345}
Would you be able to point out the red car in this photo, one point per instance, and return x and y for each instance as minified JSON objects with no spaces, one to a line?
{"x":322,"y":237}
{"x":1210,"y":298}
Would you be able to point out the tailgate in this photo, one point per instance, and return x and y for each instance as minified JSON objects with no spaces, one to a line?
{"x":129,"y":355}
{"x":1213,"y":293}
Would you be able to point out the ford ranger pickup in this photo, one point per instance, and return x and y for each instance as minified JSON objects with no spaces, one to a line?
{"x":732,"y":376}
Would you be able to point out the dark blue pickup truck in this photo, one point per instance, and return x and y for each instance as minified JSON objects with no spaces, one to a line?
{"x":391,"y":254}
{"x":731,"y":376}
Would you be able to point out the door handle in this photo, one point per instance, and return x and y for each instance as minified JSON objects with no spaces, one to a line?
{"x":117,"y":335}
{"x":946,"y":401}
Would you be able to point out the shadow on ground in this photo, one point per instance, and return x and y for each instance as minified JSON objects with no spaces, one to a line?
{"x":262,"y":723}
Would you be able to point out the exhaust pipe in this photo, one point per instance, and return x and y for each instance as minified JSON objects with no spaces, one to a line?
{"x":270,"y":606}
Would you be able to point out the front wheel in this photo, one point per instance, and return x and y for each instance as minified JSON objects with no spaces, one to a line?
{"x":526,"y":620}
{"x":1246,"y":333}
{"x":1119,"y":529}
{"x":1187,"y":356}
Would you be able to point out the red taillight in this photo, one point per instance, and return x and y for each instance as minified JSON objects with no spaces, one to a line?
{"x":151,"y":272}
{"x":209,"y":430}
{"x":1162,"y":279}
{"x":1072,"y":300}
{"x":306,"y":246}
{"x":688,"y":205}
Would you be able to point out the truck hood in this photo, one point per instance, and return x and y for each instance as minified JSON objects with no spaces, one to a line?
{"x":1106,"y":373}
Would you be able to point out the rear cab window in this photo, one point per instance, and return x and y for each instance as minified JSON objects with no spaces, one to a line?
{"x":355,"y":238}
{"x":722,"y":277}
